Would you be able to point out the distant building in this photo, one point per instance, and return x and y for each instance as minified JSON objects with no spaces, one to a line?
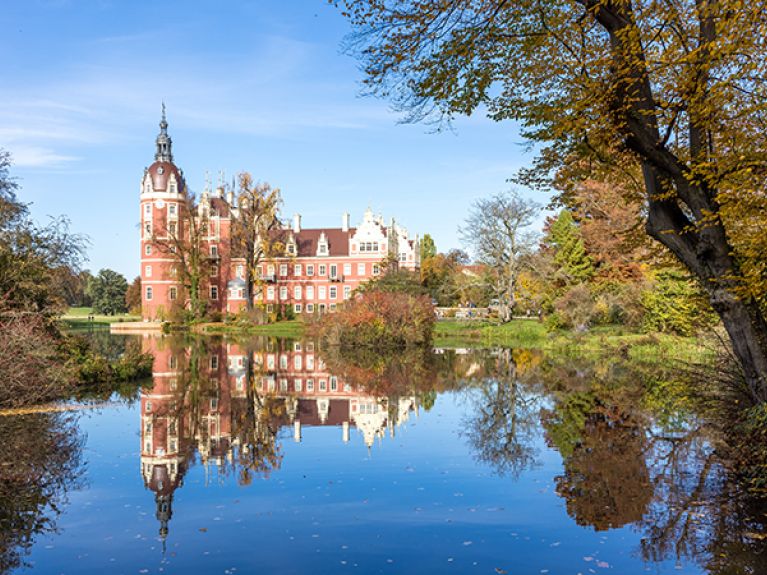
{"x":320,"y":269}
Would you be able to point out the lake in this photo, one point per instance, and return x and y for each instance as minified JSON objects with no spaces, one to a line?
{"x":274,"y":456}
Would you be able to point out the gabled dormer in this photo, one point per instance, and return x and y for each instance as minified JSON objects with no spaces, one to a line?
{"x":291,"y":246}
{"x":322,"y":246}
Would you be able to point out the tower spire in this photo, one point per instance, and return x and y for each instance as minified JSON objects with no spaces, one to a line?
{"x":164,"y":143}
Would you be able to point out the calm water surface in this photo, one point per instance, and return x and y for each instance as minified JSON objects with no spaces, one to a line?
{"x":272,"y":457}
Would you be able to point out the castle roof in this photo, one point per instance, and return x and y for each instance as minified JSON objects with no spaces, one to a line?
{"x":160,"y":173}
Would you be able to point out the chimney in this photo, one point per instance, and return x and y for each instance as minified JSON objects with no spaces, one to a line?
{"x":345,"y":222}
{"x":296,"y":223}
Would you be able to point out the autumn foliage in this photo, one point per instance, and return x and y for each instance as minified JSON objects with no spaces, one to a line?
{"x":381,"y":319}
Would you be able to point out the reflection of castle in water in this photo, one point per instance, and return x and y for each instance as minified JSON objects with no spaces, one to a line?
{"x":228,"y":404}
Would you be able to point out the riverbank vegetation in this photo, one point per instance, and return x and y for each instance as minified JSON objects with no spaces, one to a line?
{"x":38,"y":361}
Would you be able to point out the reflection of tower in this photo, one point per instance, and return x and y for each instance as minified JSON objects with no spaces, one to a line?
{"x":162,"y":461}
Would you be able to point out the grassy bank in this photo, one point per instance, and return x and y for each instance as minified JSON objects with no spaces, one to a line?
{"x":599,"y":340}
{"x":288,"y":328}
{"x":77,"y":317}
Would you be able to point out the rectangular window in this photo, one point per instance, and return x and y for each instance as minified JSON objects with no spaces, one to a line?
{"x":297,"y":270}
{"x":214,"y":292}
{"x":333,"y":270}
{"x":148,"y":271}
{"x":309,"y":270}
{"x":360,"y":269}
{"x":323,"y":270}
{"x":322,"y":308}
{"x":309,"y":292}
{"x":240,"y":271}
{"x":347,"y":269}
{"x":283,"y":270}
{"x":322,"y":292}
{"x":148,"y":210}
{"x":310,"y":308}
{"x":298,"y":362}
{"x":172,"y":229}
{"x":214,"y":251}
{"x":213,"y":362}
{"x":148,"y":229}
{"x":172,"y":210}
{"x":283,"y":361}
{"x":270,"y":293}
{"x":269,"y":308}
{"x":309,"y":385}
{"x":297,"y":292}
{"x":333,"y":383}
{"x":332,"y":307}
{"x":270,"y":361}
{"x":283,"y":292}
{"x":347,"y":292}
{"x":149,"y":293}
{"x":323,"y":385}
{"x":148,"y":249}
{"x":172,"y":293}
{"x":297,"y":385}
{"x":309,"y":362}
{"x":376,"y":269}
{"x":333,"y":292}
{"x":297,"y":308}
{"x":213,"y":271}
{"x":270,"y":270}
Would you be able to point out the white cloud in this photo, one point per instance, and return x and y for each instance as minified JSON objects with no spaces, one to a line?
{"x":39,"y":157}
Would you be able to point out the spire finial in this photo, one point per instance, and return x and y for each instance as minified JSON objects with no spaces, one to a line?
{"x":164,"y":143}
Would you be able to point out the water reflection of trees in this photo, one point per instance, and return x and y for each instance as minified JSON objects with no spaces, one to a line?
{"x":503,"y":417}
{"x":626,"y":462}
{"x":40,"y":462}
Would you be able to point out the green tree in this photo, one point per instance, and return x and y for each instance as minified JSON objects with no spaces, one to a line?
{"x":108,"y":289}
{"x":675,"y":88}
{"x":565,"y":240}
{"x":428,"y":248}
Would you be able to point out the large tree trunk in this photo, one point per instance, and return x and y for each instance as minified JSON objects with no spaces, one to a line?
{"x":707,"y":253}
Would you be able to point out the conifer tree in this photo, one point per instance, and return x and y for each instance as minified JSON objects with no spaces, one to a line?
{"x":569,"y":250}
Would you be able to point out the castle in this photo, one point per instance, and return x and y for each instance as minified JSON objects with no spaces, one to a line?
{"x":321,"y":267}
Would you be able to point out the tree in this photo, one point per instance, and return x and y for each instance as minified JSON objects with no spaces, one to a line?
{"x":255,"y":228}
{"x":187,"y":246}
{"x":428,"y":248}
{"x":133,"y":296}
{"x":569,"y":253}
{"x":496,"y":230}
{"x":31,"y":255}
{"x":108,"y":290}
{"x":674,"y":89}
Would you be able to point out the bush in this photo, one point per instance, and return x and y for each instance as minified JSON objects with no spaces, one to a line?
{"x":32,"y":366}
{"x":575,"y":309}
{"x":675,"y":304}
{"x":383,"y":319}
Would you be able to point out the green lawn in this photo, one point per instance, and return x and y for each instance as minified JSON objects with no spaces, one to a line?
{"x":598,"y":340}
{"x":78,"y":317}
{"x":288,"y":328}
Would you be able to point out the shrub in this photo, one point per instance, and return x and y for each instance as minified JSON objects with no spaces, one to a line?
{"x":574,"y":309}
{"x":675,"y":304}
{"x":31,"y":362}
{"x":381,"y":319}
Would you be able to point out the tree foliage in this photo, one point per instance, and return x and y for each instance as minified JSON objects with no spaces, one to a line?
{"x":107,"y":291}
{"x":255,"y":227}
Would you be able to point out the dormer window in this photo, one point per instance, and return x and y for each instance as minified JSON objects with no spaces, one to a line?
{"x":292,"y":249}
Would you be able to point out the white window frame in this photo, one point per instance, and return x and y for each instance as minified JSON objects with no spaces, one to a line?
{"x":214,"y":293}
{"x":333,"y":292}
{"x":347,"y":269}
{"x":309,"y":269}
{"x":298,"y":270}
{"x":283,"y":270}
{"x":361,"y":269}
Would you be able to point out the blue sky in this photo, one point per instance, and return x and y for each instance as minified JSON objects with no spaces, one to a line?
{"x":261,"y":86}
